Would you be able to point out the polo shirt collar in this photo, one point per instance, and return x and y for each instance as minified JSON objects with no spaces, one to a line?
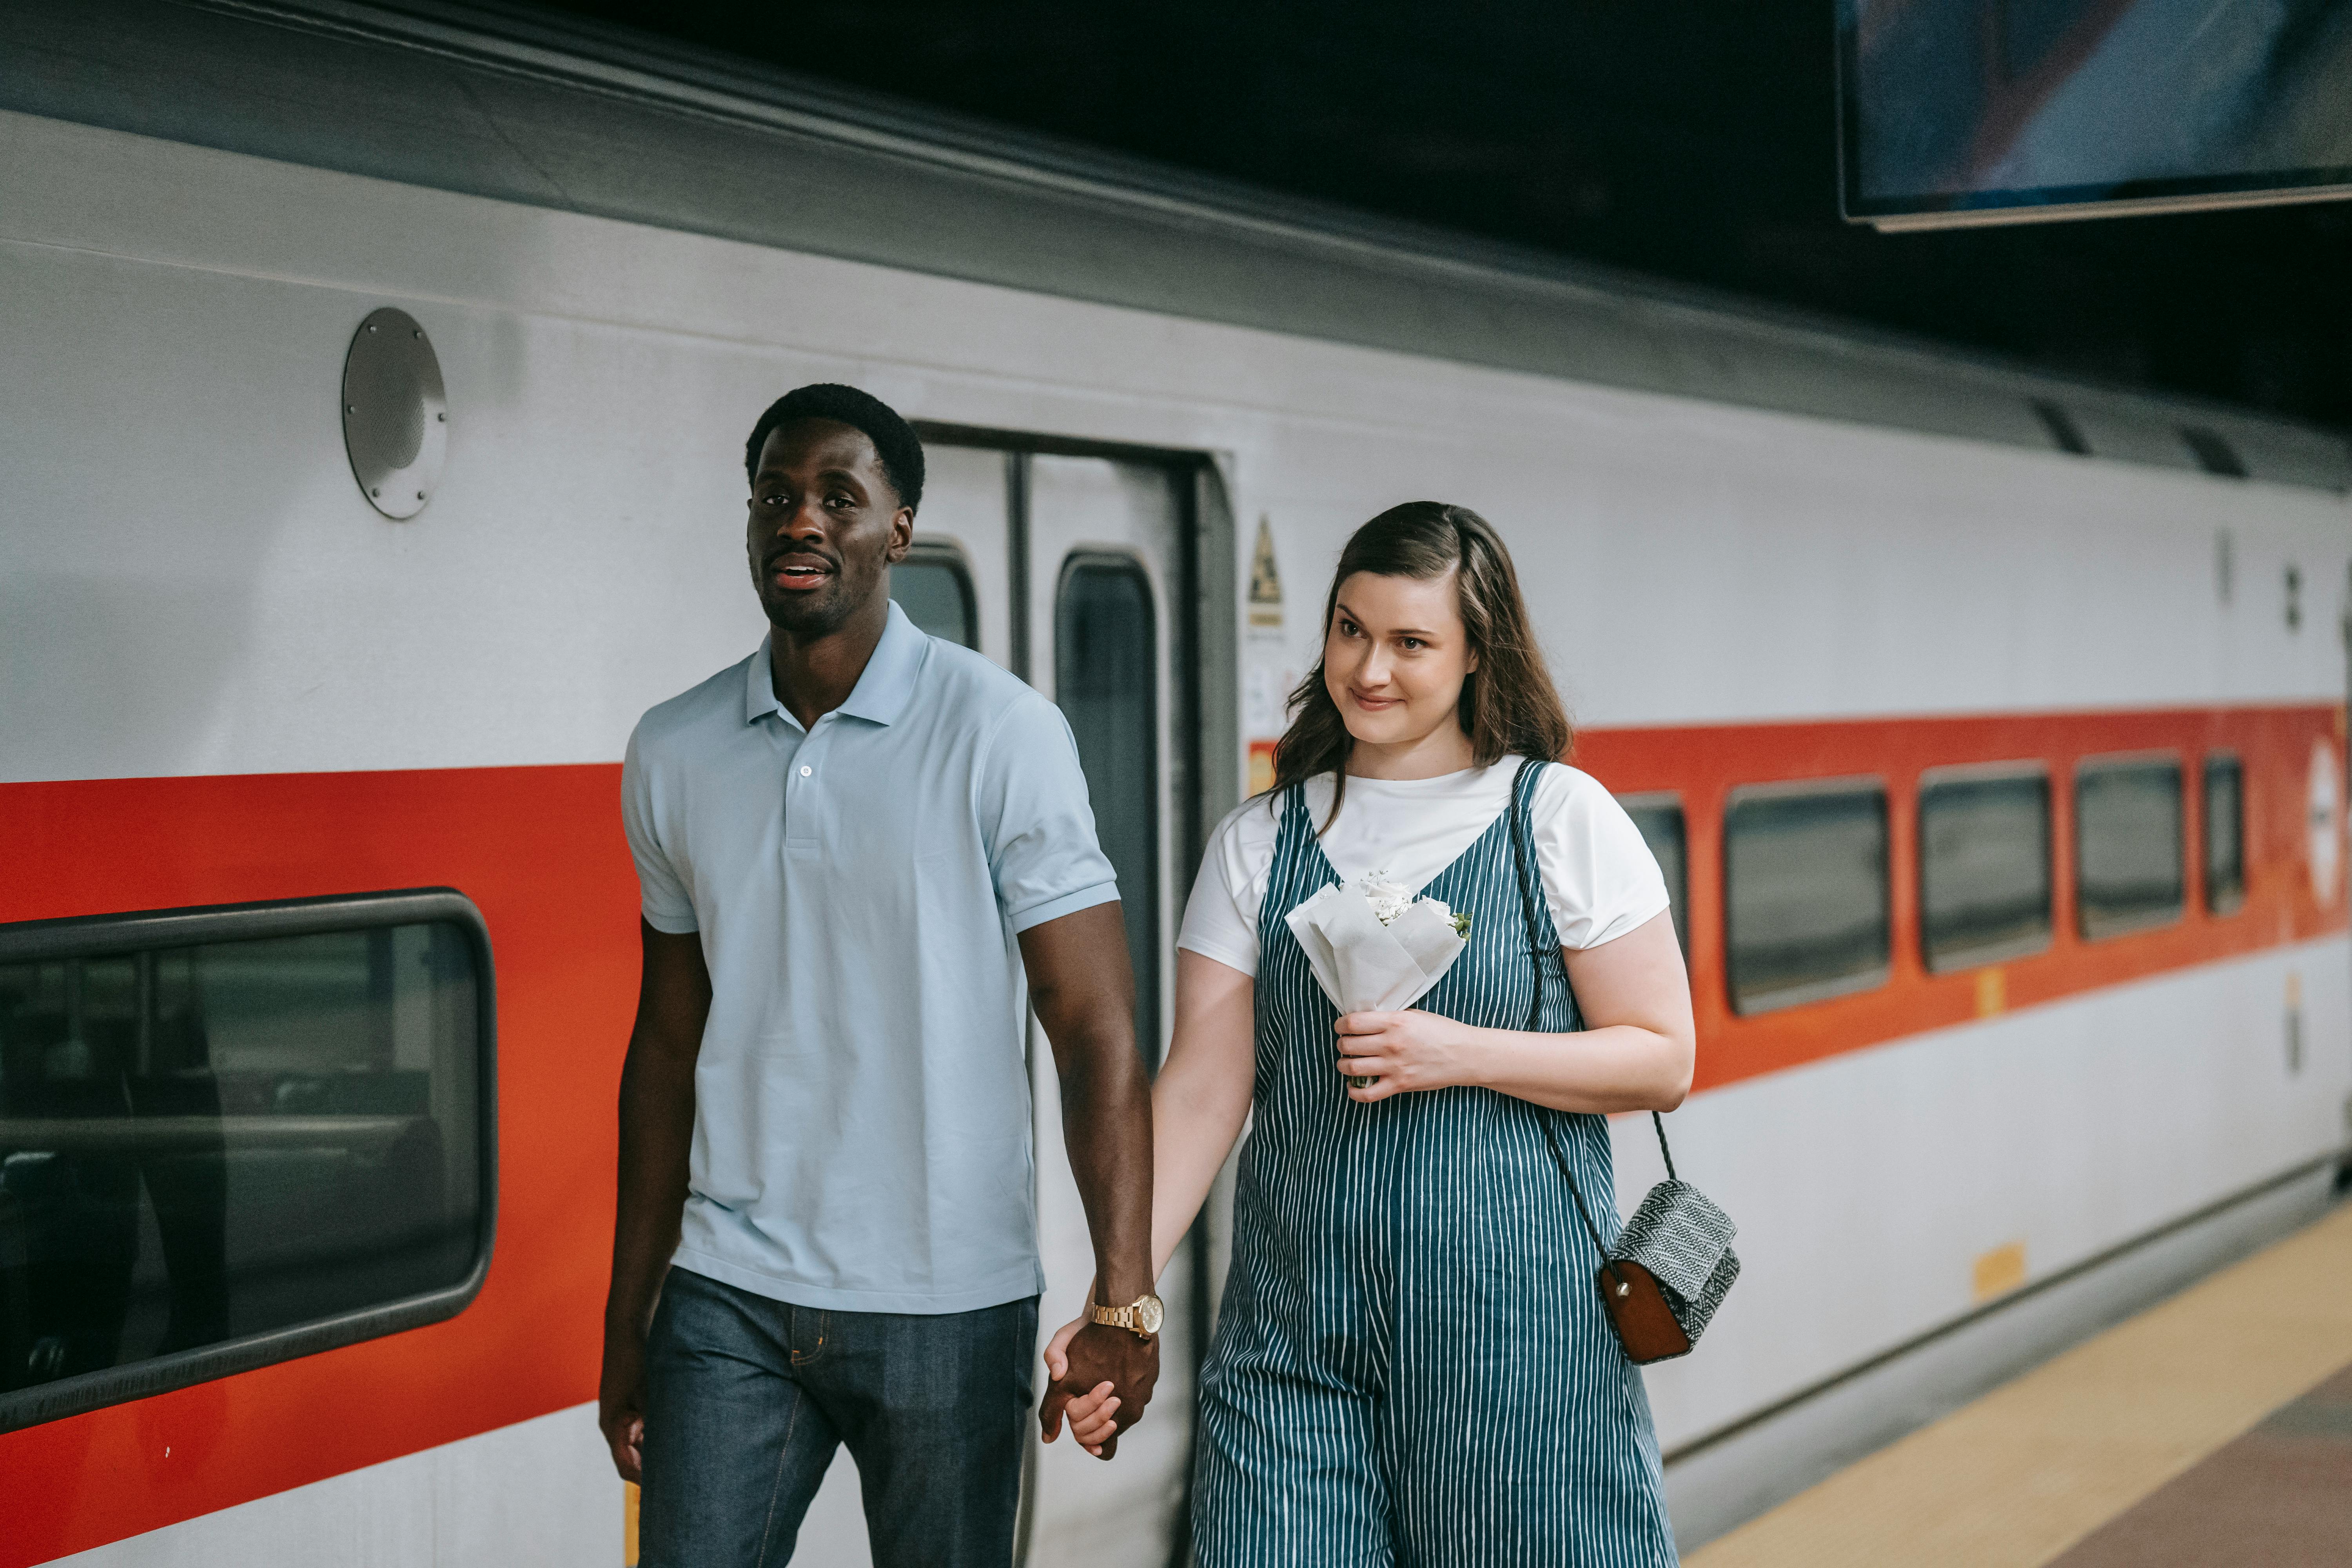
{"x":883,"y":689}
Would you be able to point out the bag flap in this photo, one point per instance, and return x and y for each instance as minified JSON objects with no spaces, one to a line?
{"x":1679,"y":1235}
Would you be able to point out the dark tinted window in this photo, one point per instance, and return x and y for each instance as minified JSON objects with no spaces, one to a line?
{"x":932,"y":586}
{"x":2126,"y":845}
{"x":1984,"y":866}
{"x":1105,"y":679}
{"x":1805,"y":893}
{"x":205,"y":1142}
{"x":2225,"y":835}
{"x":1660,"y":818}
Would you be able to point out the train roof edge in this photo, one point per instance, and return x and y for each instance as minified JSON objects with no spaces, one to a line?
{"x":523,"y":105}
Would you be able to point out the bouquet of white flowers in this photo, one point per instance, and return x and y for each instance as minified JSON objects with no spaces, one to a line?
{"x":1374,"y":947}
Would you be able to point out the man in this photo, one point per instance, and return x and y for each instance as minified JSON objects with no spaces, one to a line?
{"x":824,"y":1173}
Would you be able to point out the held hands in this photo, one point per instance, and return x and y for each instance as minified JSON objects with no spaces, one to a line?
{"x":1404,"y":1052}
{"x":1101,"y":1378}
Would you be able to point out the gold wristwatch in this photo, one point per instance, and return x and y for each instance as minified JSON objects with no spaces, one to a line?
{"x":1140,"y":1318}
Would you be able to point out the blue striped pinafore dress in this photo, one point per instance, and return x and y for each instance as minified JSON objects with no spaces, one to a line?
{"x":1411,"y":1366}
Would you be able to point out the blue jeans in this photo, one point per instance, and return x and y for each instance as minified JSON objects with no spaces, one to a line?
{"x":746,"y":1399}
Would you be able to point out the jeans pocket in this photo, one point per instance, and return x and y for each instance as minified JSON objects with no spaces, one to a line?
{"x":812,"y":1334}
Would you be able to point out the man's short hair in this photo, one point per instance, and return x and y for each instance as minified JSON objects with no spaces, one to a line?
{"x":895,"y":441}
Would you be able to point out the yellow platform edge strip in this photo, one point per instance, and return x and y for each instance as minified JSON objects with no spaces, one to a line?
{"x":2015,"y":1479}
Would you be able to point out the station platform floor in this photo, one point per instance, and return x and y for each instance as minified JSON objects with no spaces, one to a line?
{"x":2215,"y":1428}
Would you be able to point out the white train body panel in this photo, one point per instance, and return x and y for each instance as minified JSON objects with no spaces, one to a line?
{"x":535,"y":1495}
{"x":1866,"y":1184}
{"x":1693,"y":563}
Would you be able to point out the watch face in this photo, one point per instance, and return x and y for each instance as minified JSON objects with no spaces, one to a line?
{"x":1150,"y":1311}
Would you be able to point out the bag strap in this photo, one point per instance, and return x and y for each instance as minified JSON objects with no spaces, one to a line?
{"x":1535,"y":949}
{"x":1536,"y":955}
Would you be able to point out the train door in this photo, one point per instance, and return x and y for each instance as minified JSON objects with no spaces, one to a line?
{"x":1105,"y":542}
{"x":1072,"y":571}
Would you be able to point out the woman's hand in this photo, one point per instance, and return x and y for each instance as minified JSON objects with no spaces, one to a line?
{"x":1090,"y":1413}
{"x":1404,"y":1052}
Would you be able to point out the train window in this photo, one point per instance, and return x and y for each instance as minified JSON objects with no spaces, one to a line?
{"x":232,"y":1136}
{"x":934,"y":587}
{"x":1805,"y":895}
{"x":1984,"y":865}
{"x":2225,"y":834}
{"x":1105,"y":679}
{"x":1660,"y":818}
{"x":2127,"y":862}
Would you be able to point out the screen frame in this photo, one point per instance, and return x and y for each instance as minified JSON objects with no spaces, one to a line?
{"x":2046,"y":204}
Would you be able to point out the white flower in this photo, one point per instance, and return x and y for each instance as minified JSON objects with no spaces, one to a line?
{"x":1389,"y":898}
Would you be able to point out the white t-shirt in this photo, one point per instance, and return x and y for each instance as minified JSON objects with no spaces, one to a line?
{"x":1600,"y":879}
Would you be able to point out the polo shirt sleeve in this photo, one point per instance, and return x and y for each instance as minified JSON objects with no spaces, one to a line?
{"x":1034,"y":815}
{"x":661,"y":890}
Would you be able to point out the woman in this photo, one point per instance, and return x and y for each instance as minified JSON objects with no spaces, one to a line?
{"x":1412,"y":1363}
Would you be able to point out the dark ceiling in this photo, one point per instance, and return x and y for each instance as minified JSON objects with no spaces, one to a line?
{"x":1693,"y":139}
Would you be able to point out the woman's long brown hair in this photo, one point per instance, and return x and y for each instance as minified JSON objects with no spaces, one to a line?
{"x":1509,"y":705}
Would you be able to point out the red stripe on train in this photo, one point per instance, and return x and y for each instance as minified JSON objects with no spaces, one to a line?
{"x":1705,"y":763}
{"x":540,"y":850}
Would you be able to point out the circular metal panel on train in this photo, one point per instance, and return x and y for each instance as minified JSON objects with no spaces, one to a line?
{"x":395,"y":420}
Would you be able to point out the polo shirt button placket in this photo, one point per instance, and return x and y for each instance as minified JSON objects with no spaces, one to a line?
{"x":798,"y":773}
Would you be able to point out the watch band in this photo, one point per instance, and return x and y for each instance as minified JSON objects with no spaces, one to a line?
{"x":1141,"y":1317}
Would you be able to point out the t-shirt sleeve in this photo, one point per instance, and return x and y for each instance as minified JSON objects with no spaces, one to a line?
{"x":1038,"y":823}
{"x":1220,"y":917}
{"x":661,"y":891}
{"x":1598,"y":877}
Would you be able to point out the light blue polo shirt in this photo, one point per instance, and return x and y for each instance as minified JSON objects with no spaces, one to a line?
{"x":861,"y":1125}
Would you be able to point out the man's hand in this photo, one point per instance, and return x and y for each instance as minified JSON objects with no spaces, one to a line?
{"x":1089,"y":1415}
{"x":656,"y":1131}
{"x":1102,"y":1378}
{"x":621,"y":1404}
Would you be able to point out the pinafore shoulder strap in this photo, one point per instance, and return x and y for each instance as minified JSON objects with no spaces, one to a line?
{"x":1522,"y":859}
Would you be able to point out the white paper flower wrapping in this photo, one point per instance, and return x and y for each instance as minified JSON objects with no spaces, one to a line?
{"x":1367,"y":963}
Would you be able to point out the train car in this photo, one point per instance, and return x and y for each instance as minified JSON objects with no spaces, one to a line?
{"x":376,"y":383}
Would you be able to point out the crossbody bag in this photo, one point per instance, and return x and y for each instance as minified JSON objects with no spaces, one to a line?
{"x":1673,"y":1263}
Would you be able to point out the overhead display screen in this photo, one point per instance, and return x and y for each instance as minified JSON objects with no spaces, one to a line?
{"x":1972,"y":111}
